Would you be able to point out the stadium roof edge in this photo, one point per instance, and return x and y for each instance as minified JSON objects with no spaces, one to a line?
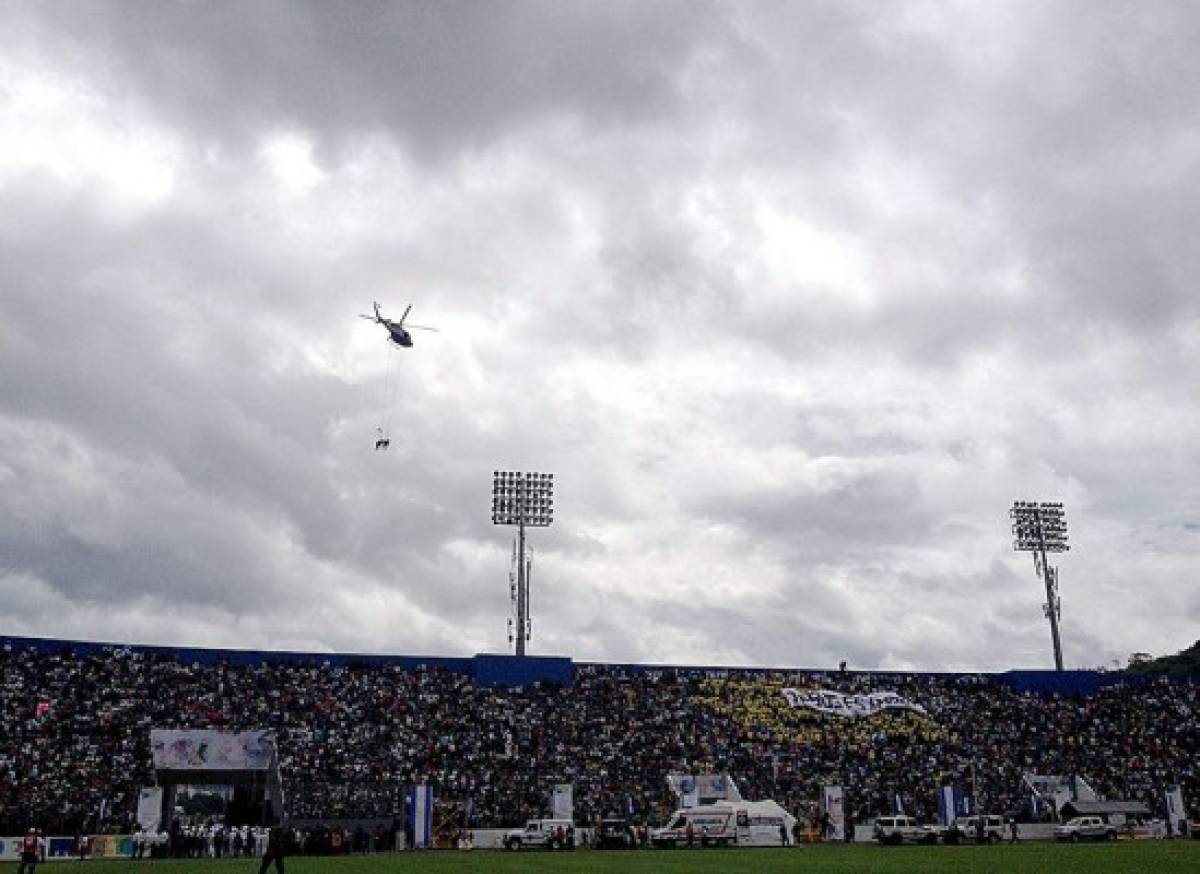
{"x":511,"y":670}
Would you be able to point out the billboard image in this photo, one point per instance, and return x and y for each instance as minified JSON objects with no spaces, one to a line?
{"x":207,"y":749}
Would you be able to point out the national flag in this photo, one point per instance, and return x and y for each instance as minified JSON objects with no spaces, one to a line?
{"x":420,"y":815}
{"x":948,"y":804}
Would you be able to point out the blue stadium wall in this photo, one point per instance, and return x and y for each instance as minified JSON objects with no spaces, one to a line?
{"x":488,"y":670}
{"x":507,"y":670}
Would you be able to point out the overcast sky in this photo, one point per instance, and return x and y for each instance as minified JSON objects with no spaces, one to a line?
{"x":794,"y":299}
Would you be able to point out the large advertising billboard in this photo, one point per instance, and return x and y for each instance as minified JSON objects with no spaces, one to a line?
{"x":211,"y":750}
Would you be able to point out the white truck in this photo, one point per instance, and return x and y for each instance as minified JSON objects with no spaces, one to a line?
{"x":981,"y":828}
{"x":727,"y":824}
{"x":547,"y":834}
{"x":901,"y":829}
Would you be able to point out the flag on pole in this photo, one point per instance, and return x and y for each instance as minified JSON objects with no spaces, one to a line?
{"x":1176,"y":812}
{"x":420,"y":815}
{"x":833,"y":803}
{"x":948,"y":805}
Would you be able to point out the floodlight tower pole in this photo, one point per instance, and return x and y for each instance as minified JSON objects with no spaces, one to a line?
{"x":522,"y":499}
{"x":1041,"y":528}
{"x":522,"y":591}
{"x":1053,"y":605}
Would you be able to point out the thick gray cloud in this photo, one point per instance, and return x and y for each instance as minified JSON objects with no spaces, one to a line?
{"x":441,"y":78}
{"x":794,"y":298}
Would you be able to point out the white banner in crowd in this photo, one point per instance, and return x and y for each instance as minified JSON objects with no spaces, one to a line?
{"x":149,"y":809}
{"x":1176,"y":812}
{"x":833,"y":801}
{"x":684,"y":787}
{"x":696,"y":789}
{"x":562,"y":803}
{"x":841,"y":704}
{"x":208,"y":749}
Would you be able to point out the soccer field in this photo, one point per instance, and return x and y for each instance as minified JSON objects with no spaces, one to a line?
{"x":1142,"y":857}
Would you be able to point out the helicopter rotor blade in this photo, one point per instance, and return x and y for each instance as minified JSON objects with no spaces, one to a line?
{"x":369,"y":318}
{"x":421,"y":328}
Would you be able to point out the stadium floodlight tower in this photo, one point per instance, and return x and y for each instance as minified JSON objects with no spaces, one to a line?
{"x":1041,"y":528}
{"x":524,"y":499}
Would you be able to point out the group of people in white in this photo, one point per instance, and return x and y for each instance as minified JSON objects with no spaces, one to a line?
{"x":213,"y":840}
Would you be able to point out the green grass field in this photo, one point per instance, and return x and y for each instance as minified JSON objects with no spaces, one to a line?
{"x":1141,"y":857}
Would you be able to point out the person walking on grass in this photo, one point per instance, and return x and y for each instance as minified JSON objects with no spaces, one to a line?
{"x":276,"y":850}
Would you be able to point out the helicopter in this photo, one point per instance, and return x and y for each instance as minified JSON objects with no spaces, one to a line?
{"x":397,"y":331}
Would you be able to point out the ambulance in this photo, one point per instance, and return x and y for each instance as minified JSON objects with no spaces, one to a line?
{"x":727,"y":824}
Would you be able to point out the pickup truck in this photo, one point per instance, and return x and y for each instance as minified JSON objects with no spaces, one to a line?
{"x":1085,"y":828}
{"x":548,"y":834}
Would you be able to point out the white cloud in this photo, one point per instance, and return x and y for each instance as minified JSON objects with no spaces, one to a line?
{"x":85,"y":141}
{"x":290,"y":158}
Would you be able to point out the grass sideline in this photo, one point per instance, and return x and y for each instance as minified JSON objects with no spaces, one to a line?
{"x":1132,"y":857}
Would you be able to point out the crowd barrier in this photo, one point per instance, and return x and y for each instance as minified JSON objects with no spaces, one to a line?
{"x":59,"y":848}
{"x":121,"y":846}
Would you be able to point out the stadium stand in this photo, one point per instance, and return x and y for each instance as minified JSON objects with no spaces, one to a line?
{"x":495,"y":736}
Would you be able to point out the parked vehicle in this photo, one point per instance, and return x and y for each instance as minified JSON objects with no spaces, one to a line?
{"x":1085,"y":828}
{"x":541,"y":834}
{"x":615,"y":834}
{"x":727,"y":824}
{"x":982,"y":828}
{"x":901,"y":829}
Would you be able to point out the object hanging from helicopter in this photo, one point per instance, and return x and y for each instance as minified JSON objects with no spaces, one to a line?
{"x":398,"y":337}
{"x":397,"y":330}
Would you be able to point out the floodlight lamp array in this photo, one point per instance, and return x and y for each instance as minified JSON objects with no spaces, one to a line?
{"x":1039,"y":526}
{"x":522,"y":498}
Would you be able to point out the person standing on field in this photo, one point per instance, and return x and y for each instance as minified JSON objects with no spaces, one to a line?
{"x":33,"y":848}
{"x":276,"y":850}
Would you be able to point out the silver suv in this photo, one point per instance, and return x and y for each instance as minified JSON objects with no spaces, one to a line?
{"x":1085,"y":828}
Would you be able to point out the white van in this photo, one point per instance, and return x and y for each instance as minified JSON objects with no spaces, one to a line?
{"x":727,"y":824}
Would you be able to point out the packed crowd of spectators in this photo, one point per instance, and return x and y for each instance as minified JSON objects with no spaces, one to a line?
{"x":75,"y":738}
